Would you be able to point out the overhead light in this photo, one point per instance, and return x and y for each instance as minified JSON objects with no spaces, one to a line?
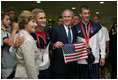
{"x":38,"y":1}
{"x":73,"y":7}
{"x":101,"y":2}
{"x":50,"y":19}
{"x":97,"y":12}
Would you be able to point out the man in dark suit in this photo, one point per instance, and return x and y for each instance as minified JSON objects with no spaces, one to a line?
{"x":62,"y":35}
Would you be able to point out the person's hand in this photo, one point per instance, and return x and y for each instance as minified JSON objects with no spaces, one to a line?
{"x":88,"y":49}
{"x":15,"y":26}
{"x":102,"y":62}
{"x":18,"y":42}
{"x":58,"y":44}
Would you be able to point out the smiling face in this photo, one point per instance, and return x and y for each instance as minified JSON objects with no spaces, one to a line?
{"x":30,"y":26}
{"x":67,"y":18}
{"x":85,"y":15}
{"x":41,"y":19}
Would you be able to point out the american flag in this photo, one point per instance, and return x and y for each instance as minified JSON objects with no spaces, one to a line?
{"x":74,"y":52}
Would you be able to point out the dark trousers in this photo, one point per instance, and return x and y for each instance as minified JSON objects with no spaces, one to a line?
{"x":11,"y":76}
{"x":114,"y":71}
{"x":88,"y":71}
{"x":44,"y":74}
{"x":62,"y":75}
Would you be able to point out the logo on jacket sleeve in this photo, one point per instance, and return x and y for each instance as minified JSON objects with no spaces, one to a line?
{"x":91,"y":30}
{"x":79,"y":31}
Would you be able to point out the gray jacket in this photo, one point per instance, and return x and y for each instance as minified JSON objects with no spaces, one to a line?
{"x":27,"y":55}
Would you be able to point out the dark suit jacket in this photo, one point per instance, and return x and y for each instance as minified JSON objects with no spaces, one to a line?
{"x":58,"y":64}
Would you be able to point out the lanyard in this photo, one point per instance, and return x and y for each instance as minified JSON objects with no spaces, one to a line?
{"x":86,"y":37}
{"x":4,"y":28}
{"x":40,"y":44}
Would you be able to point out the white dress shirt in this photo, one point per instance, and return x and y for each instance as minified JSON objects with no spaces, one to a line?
{"x":66,"y":29}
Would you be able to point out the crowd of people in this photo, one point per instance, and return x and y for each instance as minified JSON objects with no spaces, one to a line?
{"x":30,"y":49}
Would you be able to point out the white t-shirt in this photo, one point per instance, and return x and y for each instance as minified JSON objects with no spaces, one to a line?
{"x":106,"y":33}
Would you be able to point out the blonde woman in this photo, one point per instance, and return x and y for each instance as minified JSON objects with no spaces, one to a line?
{"x":27,"y":53}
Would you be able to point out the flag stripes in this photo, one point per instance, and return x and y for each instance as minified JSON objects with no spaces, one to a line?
{"x":74,"y":52}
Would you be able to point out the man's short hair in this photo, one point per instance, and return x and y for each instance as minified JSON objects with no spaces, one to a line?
{"x":60,"y":17}
{"x":83,"y":7}
{"x":3,"y":13}
{"x":68,"y":11}
{"x":37,"y":10}
{"x":11,"y":8}
{"x":97,"y":16}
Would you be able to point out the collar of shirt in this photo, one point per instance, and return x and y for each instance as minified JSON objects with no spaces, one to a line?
{"x":4,"y":28}
{"x":66,"y":29}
